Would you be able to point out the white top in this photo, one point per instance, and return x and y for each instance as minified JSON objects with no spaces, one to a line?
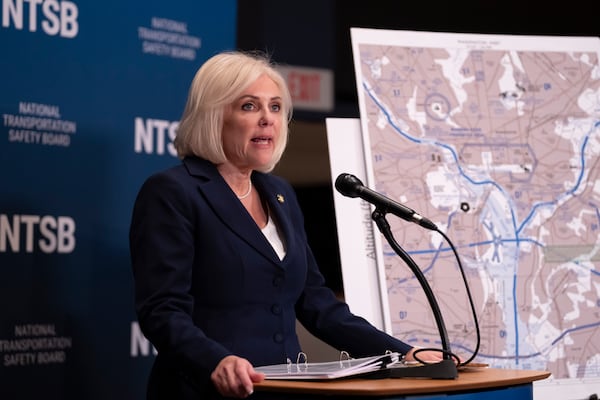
{"x":272,"y":234}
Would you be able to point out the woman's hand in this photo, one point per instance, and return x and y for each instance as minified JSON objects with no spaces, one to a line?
{"x":235,"y":377}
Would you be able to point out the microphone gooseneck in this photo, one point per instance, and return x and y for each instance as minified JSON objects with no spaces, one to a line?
{"x":350,"y":186}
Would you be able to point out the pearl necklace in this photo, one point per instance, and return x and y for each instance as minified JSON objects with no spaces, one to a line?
{"x":242,"y":197}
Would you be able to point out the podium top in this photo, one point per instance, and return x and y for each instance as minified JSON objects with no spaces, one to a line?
{"x":475,"y":379}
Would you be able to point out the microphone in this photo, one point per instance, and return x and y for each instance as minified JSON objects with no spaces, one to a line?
{"x":350,"y":186}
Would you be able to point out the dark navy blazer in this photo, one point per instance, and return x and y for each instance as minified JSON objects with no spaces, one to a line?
{"x":208,"y":283}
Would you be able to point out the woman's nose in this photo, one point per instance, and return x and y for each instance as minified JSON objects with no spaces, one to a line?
{"x":266,"y":119}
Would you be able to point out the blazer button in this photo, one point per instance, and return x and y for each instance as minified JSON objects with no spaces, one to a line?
{"x":278,"y":281}
{"x":276,"y":309}
{"x":278,"y":338}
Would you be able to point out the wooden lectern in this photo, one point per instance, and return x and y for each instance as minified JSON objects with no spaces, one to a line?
{"x":480,"y":383}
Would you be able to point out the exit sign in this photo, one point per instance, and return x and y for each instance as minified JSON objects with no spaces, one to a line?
{"x":311,"y":88}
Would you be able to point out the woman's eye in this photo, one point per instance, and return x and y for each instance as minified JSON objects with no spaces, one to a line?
{"x":247,"y":106}
{"x":276,"y":107}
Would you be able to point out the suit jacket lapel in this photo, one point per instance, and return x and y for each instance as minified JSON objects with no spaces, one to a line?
{"x":227,"y":207}
{"x":275,"y":198}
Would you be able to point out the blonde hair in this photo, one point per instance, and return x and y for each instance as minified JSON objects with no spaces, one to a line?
{"x":217,"y":84}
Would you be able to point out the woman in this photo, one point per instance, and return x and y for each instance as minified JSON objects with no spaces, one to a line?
{"x":221,"y":262}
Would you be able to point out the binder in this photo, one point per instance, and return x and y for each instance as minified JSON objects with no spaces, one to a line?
{"x":345,"y":367}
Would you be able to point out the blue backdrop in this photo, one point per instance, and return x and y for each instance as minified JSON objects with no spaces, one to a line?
{"x":90,"y":96}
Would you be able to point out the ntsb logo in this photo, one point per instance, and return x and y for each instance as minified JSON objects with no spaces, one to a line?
{"x":29,"y":233}
{"x":52,"y":16}
{"x":155,"y":136}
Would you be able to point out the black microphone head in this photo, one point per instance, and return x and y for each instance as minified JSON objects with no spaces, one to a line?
{"x":348,"y":185}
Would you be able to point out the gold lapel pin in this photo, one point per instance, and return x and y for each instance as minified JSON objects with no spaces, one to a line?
{"x":280,"y":198}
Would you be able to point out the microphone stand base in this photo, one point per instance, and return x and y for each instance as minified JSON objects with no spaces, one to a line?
{"x":445,"y":369}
